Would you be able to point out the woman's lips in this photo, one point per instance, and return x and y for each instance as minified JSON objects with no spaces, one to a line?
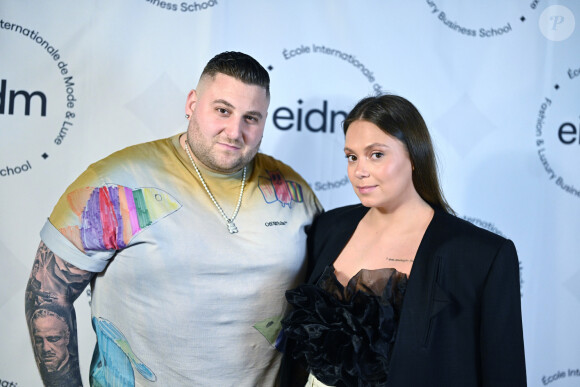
{"x":366,"y":188}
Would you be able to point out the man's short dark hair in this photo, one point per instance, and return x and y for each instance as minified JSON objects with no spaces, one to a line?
{"x":239,"y":66}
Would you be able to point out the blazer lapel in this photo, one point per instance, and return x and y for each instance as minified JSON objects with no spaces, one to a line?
{"x":423,"y":297}
{"x":336,"y":242}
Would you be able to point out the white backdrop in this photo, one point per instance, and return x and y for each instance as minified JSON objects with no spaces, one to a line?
{"x":498,"y":83}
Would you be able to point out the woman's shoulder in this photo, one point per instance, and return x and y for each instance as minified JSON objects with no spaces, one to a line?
{"x":335,"y":221}
{"x":456,"y":228}
{"x":343,"y":215}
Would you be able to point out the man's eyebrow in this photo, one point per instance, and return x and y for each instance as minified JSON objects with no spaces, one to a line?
{"x":250,"y":113}
{"x":224,"y":102}
{"x":254,"y":113}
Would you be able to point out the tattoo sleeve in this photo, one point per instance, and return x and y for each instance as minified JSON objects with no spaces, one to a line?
{"x":53,"y":286}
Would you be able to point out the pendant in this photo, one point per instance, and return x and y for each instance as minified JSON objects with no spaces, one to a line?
{"x":232,"y":227}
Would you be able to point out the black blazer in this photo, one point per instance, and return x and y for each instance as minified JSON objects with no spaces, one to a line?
{"x":461,"y":317}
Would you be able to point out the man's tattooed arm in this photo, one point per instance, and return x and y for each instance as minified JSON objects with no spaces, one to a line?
{"x":53,"y":286}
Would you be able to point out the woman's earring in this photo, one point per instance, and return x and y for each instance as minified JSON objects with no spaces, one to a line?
{"x":187,"y":116}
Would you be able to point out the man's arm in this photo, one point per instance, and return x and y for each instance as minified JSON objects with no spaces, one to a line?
{"x":53,"y":286}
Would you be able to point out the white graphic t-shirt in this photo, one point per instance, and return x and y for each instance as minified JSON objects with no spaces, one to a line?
{"x":180,"y":301}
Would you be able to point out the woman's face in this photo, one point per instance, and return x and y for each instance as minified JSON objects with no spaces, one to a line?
{"x":379,"y":167}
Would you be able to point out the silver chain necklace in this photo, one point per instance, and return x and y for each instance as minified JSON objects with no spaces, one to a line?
{"x":230,"y":221}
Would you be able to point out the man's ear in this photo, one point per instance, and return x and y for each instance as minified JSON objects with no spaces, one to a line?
{"x":190,"y":102}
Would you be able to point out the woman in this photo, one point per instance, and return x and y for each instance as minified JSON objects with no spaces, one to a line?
{"x":401,"y":292}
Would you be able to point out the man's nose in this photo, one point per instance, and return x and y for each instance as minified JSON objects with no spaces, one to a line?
{"x":234,"y":129}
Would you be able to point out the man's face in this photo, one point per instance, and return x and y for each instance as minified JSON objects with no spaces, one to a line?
{"x":227,"y":122}
{"x":51,"y":338}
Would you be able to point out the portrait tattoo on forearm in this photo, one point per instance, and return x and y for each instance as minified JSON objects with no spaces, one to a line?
{"x":52,"y":288}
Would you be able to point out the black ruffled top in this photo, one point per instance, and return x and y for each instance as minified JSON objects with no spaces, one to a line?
{"x":345,"y":335}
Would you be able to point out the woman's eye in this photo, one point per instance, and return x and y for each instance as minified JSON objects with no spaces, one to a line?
{"x":350,"y":158}
{"x":376,"y":155}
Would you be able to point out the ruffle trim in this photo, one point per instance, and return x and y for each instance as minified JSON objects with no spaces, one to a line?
{"x":345,"y":335}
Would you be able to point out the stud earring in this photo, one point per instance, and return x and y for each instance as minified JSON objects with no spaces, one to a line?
{"x":187,"y":116}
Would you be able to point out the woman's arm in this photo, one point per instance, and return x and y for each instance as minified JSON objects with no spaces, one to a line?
{"x":502,"y":343}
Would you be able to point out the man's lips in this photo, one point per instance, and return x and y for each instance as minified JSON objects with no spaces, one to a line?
{"x":229,"y":146}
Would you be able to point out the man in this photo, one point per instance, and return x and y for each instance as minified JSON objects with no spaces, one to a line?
{"x":189,"y":244}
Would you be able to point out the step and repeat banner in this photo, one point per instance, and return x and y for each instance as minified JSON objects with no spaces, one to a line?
{"x":498,"y":83}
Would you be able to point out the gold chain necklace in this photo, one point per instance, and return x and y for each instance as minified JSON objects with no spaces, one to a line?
{"x":232,"y":228}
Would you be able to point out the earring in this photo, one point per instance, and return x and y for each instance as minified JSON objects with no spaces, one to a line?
{"x":187,"y":116}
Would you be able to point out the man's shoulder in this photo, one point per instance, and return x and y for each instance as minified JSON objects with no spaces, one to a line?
{"x":266,"y":164}
{"x":153,"y":153}
{"x":265,"y":160}
{"x":126,"y":165}
{"x":147,"y":150}
{"x":275,"y":174}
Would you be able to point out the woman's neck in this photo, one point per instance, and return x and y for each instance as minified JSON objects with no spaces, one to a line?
{"x":406,"y":216}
